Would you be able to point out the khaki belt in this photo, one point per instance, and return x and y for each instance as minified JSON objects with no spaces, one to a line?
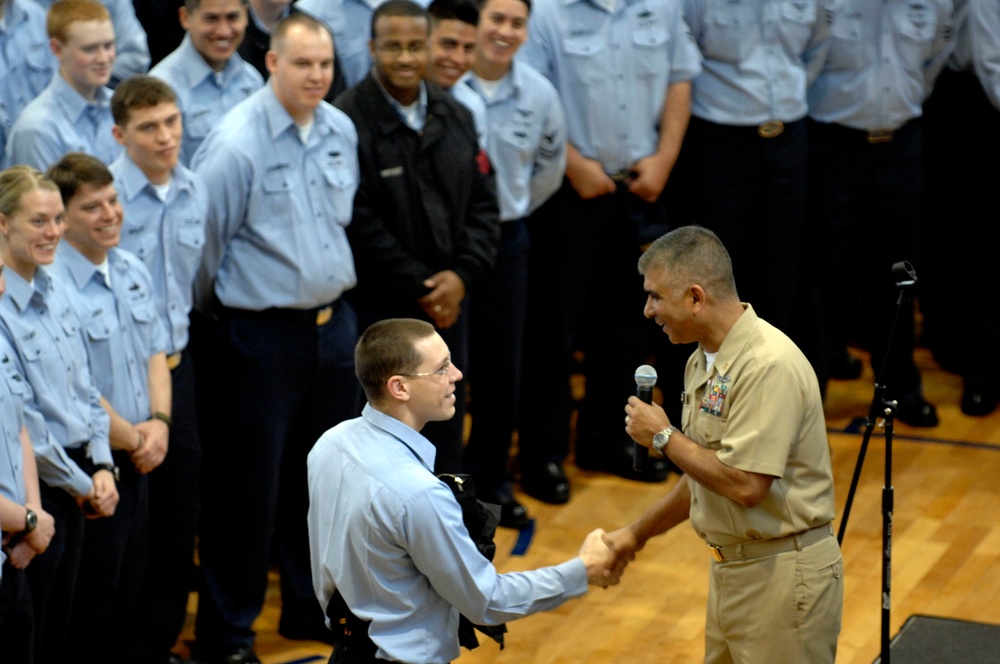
{"x":760,"y":548}
{"x":174,"y":361}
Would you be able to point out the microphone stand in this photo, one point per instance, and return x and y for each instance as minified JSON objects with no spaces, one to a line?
{"x":882,"y":406}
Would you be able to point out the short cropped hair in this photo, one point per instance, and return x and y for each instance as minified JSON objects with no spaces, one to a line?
{"x":65,"y":12}
{"x":453,"y":10}
{"x":388,"y":348}
{"x":280,"y":32}
{"x":17,"y":181}
{"x":405,"y":8}
{"x":139,"y":91}
{"x":692,"y":255}
{"x":76,"y":170}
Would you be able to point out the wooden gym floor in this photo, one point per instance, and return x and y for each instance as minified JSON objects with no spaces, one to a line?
{"x":945,"y":558}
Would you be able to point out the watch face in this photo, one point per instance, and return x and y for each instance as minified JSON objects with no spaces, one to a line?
{"x":30,"y":520}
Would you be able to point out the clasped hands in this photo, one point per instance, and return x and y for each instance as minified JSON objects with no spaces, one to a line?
{"x":606,"y":555}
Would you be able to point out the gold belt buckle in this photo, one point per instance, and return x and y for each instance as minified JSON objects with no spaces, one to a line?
{"x":173,"y":361}
{"x":880,"y":136}
{"x":717,"y":553}
{"x":770,"y":129}
{"x":324,"y":315}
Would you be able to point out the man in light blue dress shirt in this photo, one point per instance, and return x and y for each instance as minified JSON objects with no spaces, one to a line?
{"x":26,"y":61}
{"x":72,"y":114}
{"x":389,"y":535}
{"x":866,"y":179}
{"x":205,"y":71}
{"x":112,"y":294}
{"x":283,"y":169}
{"x":623,"y":70}
{"x":526,"y":141}
{"x":165,"y":210}
{"x":130,"y":39}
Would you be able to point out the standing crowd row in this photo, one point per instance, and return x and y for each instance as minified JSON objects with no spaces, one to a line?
{"x":190,"y":254}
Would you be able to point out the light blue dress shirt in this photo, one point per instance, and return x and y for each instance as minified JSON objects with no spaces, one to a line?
{"x":350,"y":21}
{"x":66,"y":411}
{"x":883,"y":59}
{"x":61,"y":120}
{"x":120,"y":325}
{"x":14,"y":392}
{"x":203,"y":94}
{"x":275,"y":232}
{"x":168,"y":236}
{"x":758,"y":57}
{"x":26,"y":61}
{"x":472,"y":101}
{"x":526,"y":139}
{"x":389,"y":534}
{"x":612,"y":70}
{"x":984,"y":33}
{"x":131,"y":47}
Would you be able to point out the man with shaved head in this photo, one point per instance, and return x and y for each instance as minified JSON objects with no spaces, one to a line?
{"x":284,"y":168}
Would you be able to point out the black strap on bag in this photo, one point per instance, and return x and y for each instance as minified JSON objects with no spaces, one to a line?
{"x":352,"y":645}
{"x":481,"y":520}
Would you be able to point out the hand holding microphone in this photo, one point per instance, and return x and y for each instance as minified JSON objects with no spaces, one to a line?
{"x":645,"y":379}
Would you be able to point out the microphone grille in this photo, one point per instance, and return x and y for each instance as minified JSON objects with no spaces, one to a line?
{"x":645,"y":376}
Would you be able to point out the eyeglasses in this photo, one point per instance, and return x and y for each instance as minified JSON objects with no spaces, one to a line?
{"x":395,"y":49}
{"x":443,"y":371}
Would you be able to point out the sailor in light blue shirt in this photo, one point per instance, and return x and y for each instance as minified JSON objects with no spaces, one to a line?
{"x":612,"y":63}
{"x":389,"y":535}
{"x":46,"y":333}
{"x":205,"y":94}
{"x":526,"y":138}
{"x":282,"y":197}
{"x":114,"y":303}
{"x":350,"y":22}
{"x":26,"y":62}
{"x":883,"y":59}
{"x":72,"y":114}
{"x":130,"y":39}
{"x":167,"y":233}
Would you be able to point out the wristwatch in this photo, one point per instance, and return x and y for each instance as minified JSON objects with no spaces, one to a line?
{"x":30,"y":520}
{"x":662,"y":439}
{"x":110,"y":467}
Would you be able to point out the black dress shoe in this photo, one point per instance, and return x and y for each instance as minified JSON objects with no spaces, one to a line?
{"x":977,"y":401}
{"x":513,"y":515}
{"x":620,"y":463}
{"x":547,"y":483}
{"x":916,"y":411}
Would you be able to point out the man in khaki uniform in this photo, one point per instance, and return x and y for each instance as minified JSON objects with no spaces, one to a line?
{"x":757,"y":483}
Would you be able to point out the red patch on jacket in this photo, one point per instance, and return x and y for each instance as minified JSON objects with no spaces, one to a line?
{"x":483,"y":162}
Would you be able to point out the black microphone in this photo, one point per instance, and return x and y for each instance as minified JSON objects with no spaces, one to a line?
{"x":645,"y":379}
